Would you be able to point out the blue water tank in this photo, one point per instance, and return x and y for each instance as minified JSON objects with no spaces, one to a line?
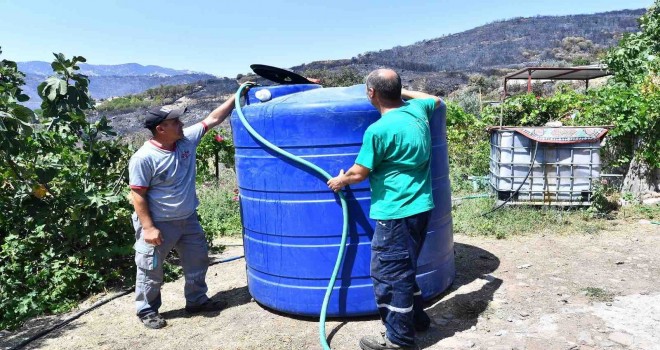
{"x":292,"y":222}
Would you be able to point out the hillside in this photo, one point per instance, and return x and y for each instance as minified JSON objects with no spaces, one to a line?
{"x":512,"y":43}
{"x":444,"y":64}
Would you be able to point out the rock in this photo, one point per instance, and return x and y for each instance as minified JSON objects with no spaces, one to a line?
{"x":621,"y":338}
{"x":584,"y":338}
{"x":607,"y":344}
{"x":523,"y":313}
{"x":620,"y":262}
{"x":525,"y":266}
{"x":473,"y":328}
{"x":651,"y":201}
{"x":500,"y":333}
{"x":509,"y":319}
{"x":470,"y":344}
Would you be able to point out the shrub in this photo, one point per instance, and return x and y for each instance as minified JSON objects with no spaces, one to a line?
{"x":215,"y":150}
{"x":64,"y":217}
{"x":219,"y":209}
{"x":468,"y":144}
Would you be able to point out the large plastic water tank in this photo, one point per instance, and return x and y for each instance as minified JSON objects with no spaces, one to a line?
{"x":562,"y":172}
{"x":292,"y":223}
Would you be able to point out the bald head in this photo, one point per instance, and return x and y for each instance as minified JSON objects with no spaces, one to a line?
{"x":386,"y":84}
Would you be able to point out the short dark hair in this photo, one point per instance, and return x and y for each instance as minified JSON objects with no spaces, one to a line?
{"x":388,"y":88}
{"x":153,"y":130}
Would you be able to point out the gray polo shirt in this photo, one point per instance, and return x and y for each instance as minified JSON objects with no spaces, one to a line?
{"x":168,"y":175}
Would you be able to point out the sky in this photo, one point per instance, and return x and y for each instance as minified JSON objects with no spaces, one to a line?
{"x":224,"y":37}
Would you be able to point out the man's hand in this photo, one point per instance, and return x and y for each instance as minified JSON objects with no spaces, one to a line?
{"x":152,"y":235}
{"x":408,"y":95}
{"x":337,"y":182}
{"x":249,"y":84}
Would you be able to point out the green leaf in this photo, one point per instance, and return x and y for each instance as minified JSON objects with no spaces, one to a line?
{"x":63,"y":87}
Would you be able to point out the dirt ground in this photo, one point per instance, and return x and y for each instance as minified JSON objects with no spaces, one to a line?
{"x":597,"y":291}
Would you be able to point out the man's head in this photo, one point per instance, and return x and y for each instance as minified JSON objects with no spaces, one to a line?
{"x":164,"y":123}
{"x":383,"y":87}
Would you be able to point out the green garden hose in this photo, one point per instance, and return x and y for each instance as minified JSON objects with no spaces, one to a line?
{"x":344,"y":207}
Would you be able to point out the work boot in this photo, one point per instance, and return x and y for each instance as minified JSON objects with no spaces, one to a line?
{"x":208,"y":306}
{"x":380,"y":342}
{"x":153,"y":320}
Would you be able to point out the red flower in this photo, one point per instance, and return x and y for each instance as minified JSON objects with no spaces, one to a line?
{"x":219,"y":138}
{"x":235,"y":198}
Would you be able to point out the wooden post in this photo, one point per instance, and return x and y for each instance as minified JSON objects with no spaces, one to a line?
{"x":217,"y":165}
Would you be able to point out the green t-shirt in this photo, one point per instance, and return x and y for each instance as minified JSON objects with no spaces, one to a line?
{"x":397,"y":150}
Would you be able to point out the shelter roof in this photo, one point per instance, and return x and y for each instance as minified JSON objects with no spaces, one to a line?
{"x":560,"y":73}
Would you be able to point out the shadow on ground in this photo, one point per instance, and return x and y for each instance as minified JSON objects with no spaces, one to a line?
{"x":456,"y":314}
{"x":235,"y":297}
{"x":461,"y":311}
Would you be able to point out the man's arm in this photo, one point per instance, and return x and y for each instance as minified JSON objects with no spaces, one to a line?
{"x":219,"y":114}
{"x":222,"y":112}
{"x":150,"y":233}
{"x":357,"y":173}
{"x":409,"y":95}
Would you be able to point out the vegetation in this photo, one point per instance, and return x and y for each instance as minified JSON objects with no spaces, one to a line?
{"x":344,"y":77}
{"x":468,"y":147}
{"x":163,"y":94}
{"x":598,"y":294}
{"x":217,"y":189}
{"x":630,"y":102}
{"x":219,"y":209}
{"x":511,"y":221}
{"x":216,"y":150}
{"x":64,"y":220}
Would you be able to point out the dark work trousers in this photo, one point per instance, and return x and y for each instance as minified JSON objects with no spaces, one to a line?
{"x":395,"y":248}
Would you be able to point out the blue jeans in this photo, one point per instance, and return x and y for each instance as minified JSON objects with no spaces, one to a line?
{"x":187,"y":237}
{"x":395,"y":248}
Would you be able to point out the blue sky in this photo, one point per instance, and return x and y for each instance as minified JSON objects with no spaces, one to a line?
{"x":225,"y":37}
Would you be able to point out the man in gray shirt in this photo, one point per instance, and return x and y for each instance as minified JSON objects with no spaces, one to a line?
{"x":162,"y":180}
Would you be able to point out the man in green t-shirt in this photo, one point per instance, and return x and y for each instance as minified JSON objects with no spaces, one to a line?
{"x":396,"y":157}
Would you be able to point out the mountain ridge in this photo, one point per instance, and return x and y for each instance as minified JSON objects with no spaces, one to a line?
{"x":439,"y":65}
{"x":93,"y":70}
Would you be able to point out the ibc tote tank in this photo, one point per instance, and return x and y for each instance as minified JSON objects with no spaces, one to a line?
{"x":292,"y":222}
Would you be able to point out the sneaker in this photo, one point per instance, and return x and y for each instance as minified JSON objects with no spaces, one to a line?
{"x":153,"y":321}
{"x":208,"y":306}
{"x":381,"y":342}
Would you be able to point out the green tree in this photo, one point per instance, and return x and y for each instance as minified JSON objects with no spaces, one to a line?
{"x":64,"y":217}
{"x":638,"y":54}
